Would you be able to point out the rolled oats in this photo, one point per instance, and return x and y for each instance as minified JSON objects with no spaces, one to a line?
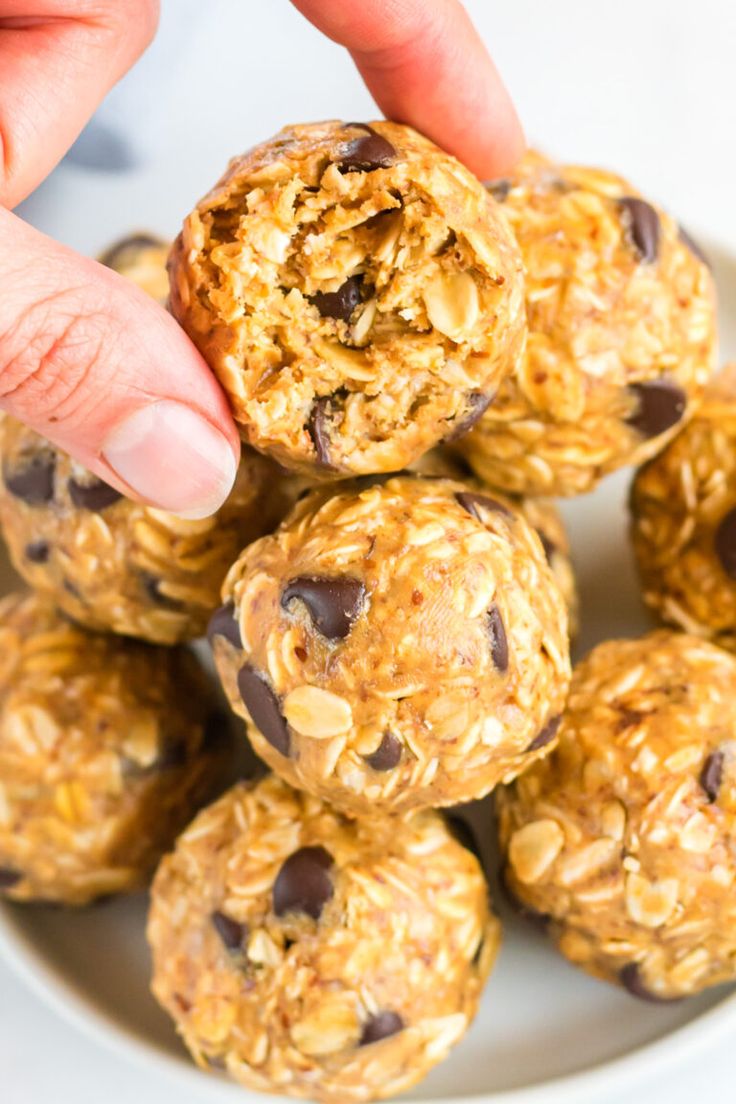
{"x":352,"y":969}
{"x":631,"y":868}
{"x":621,"y":317}
{"x":402,"y":688}
{"x":105,"y":753}
{"x":355,"y":290}
{"x":683,"y":507}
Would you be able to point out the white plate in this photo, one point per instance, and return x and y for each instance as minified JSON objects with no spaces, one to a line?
{"x":545,"y":1032}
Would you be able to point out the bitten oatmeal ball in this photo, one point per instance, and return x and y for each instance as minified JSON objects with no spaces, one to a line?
{"x":683,"y":507}
{"x":395,"y":645}
{"x":114,"y":564}
{"x":142,"y":259}
{"x":358,"y":294}
{"x":317,"y":956}
{"x":107,"y":747}
{"x":623,"y":840}
{"x":621,"y":316}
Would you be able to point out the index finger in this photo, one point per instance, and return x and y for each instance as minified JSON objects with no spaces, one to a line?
{"x":426,"y":65}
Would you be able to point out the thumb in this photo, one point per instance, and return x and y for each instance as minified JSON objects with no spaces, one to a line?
{"x":92,"y":363}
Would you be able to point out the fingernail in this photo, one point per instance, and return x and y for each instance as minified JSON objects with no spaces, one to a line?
{"x":172,"y":457}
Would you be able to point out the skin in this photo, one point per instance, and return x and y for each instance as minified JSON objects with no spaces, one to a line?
{"x":88,"y":360}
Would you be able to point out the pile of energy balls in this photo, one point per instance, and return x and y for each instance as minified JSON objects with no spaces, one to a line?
{"x":416,"y":362}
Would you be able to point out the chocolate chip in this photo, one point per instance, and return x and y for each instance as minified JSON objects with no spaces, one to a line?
{"x":33,"y":482}
{"x":132,"y":244}
{"x":630,"y":978}
{"x":642,"y":227}
{"x":263,"y":706}
{"x":538,"y":920}
{"x":367,"y":153}
{"x":478,"y":403}
{"x":463,"y":833}
{"x":693,"y":247}
{"x":724,"y":543}
{"x":499,"y":189}
{"x":318,"y":428}
{"x":95,"y":495}
{"x":711,"y":776}
{"x":223,"y":623}
{"x":473,"y":503}
{"x":333,"y":604}
{"x":549,"y":546}
{"x":499,"y":641}
{"x":546,"y":736}
{"x":660,"y":404}
{"x":38,"y":552}
{"x":303,"y":884}
{"x":340,"y":303}
{"x":9,"y":877}
{"x":387,"y":755}
{"x":231,"y":932}
{"x":381,"y":1026}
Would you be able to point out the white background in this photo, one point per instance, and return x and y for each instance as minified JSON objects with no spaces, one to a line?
{"x":642,"y":86}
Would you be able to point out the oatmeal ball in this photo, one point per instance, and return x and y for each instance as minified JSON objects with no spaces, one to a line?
{"x":624,"y":840}
{"x":395,"y":645}
{"x":114,"y":564}
{"x":317,"y":956}
{"x":683,"y":507}
{"x":142,"y":259}
{"x":621,"y":315}
{"x":358,"y":294}
{"x":107,"y":747}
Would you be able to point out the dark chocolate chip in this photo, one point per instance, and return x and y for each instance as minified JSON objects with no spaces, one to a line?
{"x":499,"y":641}
{"x":372,"y":151}
{"x":549,"y":546}
{"x":95,"y":495}
{"x":473,"y":503}
{"x":223,"y":623}
{"x":478,"y":403}
{"x":387,"y":755}
{"x":660,"y":404}
{"x":711,"y":776}
{"x":642,"y":227}
{"x":303,"y":884}
{"x":693,"y":247}
{"x":318,"y":428}
{"x":117,"y":252}
{"x":340,"y":303}
{"x":381,"y":1026}
{"x":546,"y":736}
{"x":38,"y":551}
{"x":463,"y":833}
{"x":231,"y":932}
{"x":538,"y":920}
{"x":630,"y":978}
{"x":499,"y":189}
{"x":333,"y":604}
{"x":33,"y":482}
{"x":263,"y":706}
{"x":9,"y":877}
{"x":724,"y":543}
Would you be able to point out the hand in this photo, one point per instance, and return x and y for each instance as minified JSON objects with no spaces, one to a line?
{"x":90,"y":361}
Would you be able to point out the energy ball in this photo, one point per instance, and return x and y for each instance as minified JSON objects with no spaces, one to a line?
{"x":623,"y":841}
{"x":317,"y":956}
{"x":683,"y":506}
{"x":107,"y":748}
{"x":395,"y":645}
{"x":357,"y":293}
{"x":621,"y":315}
{"x":141,"y":258}
{"x":114,"y":564}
